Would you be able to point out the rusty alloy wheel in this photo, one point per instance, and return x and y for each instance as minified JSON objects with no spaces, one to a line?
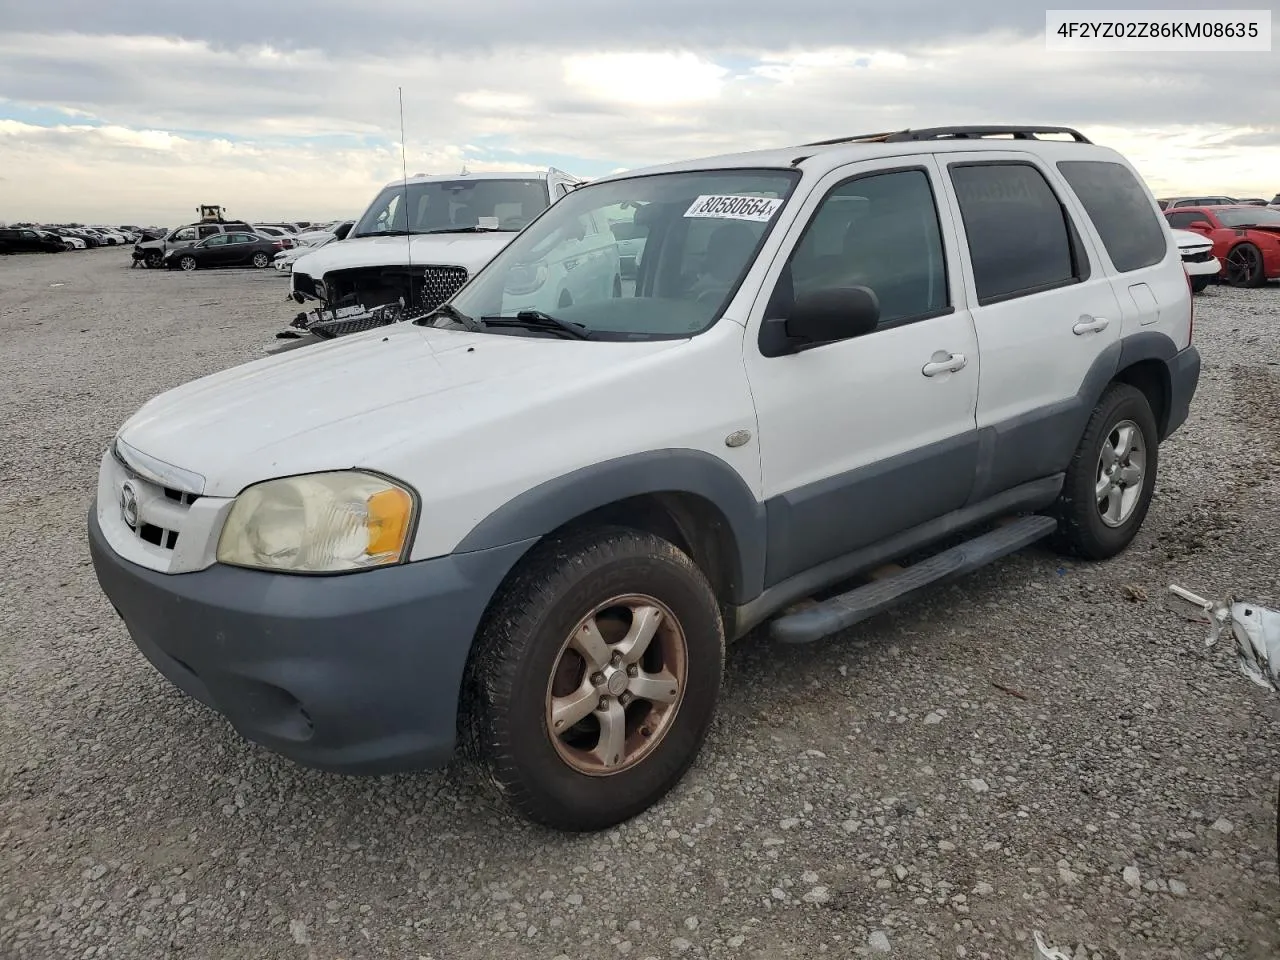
{"x":617,"y":685}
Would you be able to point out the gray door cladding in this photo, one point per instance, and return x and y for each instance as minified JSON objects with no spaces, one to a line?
{"x":800,"y":529}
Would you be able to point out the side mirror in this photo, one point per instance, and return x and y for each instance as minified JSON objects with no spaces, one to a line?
{"x":1200,"y":225}
{"x":840,"y":313}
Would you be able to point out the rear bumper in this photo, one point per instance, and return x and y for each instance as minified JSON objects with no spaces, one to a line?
{"x":357,"y":673}
{"x":1184,"y":377}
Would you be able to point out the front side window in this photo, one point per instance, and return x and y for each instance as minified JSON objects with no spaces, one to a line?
{"x":1183,"y":219}
{"x":879,"y":231}
{"x":454,"y":206}
{"x":699,"y":231}
{"x":1016,"y":228}
{"x":186,"y":233}
{"x":1118,"y":206}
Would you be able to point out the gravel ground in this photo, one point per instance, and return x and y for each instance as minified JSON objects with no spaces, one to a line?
{"x":1040,"y":746}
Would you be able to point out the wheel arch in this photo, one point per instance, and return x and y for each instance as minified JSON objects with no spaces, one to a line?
{"x":1144,"y":364}
{"x":690,"y":497}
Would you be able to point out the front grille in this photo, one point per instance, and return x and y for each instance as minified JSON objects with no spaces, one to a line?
{"x":160,"y":510}
{"x":439,"y":283}
{"x":1203,"y":256}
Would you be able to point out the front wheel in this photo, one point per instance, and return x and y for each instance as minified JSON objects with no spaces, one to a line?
{"x":188,"y":263}
{"x":1111,"y":478}
{"x":1199,"y":284}
{"x":594,"y":678}
{"x":154,"y":259}
{"x":1245,"y":267}
{"x":261,"y":260}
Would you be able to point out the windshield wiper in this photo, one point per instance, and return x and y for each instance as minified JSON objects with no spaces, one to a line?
{"x":453,"y":313}
{"x":537,"y":320}
{"x":473,"y":228}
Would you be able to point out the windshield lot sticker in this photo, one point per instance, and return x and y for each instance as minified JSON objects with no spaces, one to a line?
{"x":730,"y":207}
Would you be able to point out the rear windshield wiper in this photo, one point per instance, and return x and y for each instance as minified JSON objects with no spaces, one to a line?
{"x":537,"y":320}
{"x":453,"y":313}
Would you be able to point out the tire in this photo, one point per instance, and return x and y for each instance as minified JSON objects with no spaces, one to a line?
{"x":1199,"y":284}
{"x":524,"y":660}
{"x":261,"y":260}
{"x":154,"y":259}
{"x":187,"y":263}
{"x":1245,"y":267}
{"x":1082,"y":529}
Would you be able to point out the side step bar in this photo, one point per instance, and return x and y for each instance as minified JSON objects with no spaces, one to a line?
{"x":862,"y":603}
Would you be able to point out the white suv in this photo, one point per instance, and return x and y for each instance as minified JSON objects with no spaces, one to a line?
{"x":534,"y":533}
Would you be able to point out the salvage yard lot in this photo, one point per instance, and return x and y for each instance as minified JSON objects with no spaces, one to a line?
{"x":998,"y":758}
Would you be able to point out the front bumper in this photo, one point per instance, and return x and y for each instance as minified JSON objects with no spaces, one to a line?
{"x":1200,"y":268}
{"x":1184,"y":377}
{"x":356,"y":673}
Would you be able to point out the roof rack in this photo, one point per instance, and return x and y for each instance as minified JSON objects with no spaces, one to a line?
{"x":955,"y":133}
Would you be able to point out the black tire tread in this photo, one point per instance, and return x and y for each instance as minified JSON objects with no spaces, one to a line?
{"x":1076,"y":505}
{"x":512,"y":620}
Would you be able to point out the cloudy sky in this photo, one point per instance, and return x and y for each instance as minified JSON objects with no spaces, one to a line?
{"x":138,"y":110}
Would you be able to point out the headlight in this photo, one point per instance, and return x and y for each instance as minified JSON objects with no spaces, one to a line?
{"x":319,"y":523}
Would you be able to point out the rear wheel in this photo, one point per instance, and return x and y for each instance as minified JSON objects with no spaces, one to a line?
{"x":595,"y":677}
{"x":261,"y":260}
{"x":1245,"y":267}
{"x":1110,"y":480}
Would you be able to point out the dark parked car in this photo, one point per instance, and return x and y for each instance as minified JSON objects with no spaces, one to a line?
{"x":225,"y":250}
{"x":29,"y":241}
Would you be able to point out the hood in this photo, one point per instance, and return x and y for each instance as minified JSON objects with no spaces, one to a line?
{"x":470,"y":250}
{"x":1190,"y":240}
{"x":366,"y":399}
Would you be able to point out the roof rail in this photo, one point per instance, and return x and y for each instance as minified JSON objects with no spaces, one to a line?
{"x":956,"y":133}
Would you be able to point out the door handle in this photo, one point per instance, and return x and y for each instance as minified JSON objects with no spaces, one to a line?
{"x":1087,"y":324}
{"x":949,"y":363}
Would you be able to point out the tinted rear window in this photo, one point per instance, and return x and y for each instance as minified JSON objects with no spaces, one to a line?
{"x":1120,"y":210}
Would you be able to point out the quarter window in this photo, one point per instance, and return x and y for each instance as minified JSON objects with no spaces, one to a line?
{"x":1120,"y":210}
{"x":1019,"y":235}
{"x":879,"y":231}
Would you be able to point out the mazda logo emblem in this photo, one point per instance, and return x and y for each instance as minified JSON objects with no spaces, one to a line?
{"x":129,"y":505}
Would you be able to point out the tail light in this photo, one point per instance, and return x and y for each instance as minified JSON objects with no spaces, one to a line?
{"x":278,"y":244}
{"x":1191,"y":319}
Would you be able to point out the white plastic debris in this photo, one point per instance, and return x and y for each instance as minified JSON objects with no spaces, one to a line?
{"x":1256,"y":631}
{"x":1047,"y":953}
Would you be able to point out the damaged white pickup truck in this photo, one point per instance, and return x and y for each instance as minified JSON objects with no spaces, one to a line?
{"x":422,"y":238}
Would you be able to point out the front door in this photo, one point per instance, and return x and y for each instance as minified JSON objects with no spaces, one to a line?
{"x":865,"y":438}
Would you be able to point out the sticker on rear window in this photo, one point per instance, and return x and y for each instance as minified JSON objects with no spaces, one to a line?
{"x":731,"y":207}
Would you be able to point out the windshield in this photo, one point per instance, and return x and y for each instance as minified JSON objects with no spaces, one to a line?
{"x":444,"y":206}
{"x":1260,"y":217}
{"x":646,"y":257}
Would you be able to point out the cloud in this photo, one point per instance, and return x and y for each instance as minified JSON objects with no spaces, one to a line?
{"x":295,"y":105}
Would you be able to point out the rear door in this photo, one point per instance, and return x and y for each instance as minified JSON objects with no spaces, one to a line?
{"x":1135,"y":246}
{"x":1044,"y":311}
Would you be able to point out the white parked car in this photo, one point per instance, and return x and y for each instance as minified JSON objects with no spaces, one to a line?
{"x":420,"y":253}
{"x":285,"y":259}
{"x":533,"y":534}
{"x":1197,"y":258}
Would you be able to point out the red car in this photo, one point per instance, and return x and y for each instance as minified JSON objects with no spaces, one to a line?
{"x":1246,"y":239}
